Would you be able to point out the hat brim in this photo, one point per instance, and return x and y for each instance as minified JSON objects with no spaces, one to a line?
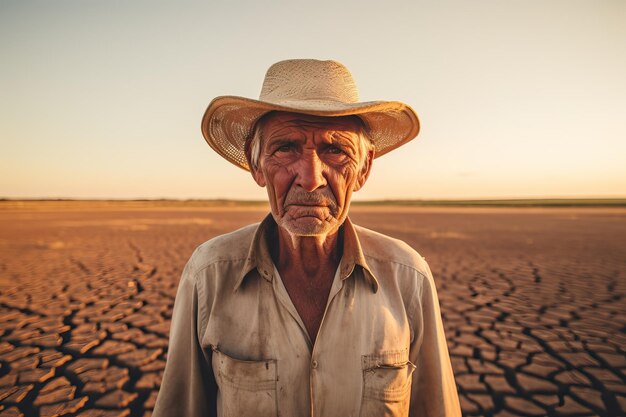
{"x":229,"y":122}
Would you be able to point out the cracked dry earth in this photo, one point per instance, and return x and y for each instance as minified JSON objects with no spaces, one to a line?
{"x":533,"y":302}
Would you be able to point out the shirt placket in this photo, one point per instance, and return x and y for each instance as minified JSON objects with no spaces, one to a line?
{"x":315,"y":363}
{"x":316,"y":375}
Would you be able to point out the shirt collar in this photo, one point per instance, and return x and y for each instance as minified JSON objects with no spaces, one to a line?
{"x":259,"y":254}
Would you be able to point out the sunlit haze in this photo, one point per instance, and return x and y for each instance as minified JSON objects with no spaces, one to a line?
{"x":516,"y":98}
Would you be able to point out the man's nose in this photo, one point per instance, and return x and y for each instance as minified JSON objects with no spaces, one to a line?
{"x":310,"y":175}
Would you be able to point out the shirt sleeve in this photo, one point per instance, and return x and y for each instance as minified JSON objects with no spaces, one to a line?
{"x":433,"y":390}
{"x":188,"y":387}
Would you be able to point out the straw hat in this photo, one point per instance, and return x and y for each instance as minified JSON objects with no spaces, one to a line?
{"x":308,"y":86}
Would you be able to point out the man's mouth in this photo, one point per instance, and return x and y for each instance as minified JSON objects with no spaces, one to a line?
{"x":309,"y":201}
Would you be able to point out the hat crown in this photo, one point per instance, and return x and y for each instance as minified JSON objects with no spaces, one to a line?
{"x":308,"y":80}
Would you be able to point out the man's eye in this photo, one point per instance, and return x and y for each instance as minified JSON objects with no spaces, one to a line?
{"x":285,"y":148}
{"x":334,"y":150}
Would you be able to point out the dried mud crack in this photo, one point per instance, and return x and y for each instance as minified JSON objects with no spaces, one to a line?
{"x":533,"y":302}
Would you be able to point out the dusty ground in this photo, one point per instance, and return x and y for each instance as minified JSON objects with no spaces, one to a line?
{"x":533,"y":302}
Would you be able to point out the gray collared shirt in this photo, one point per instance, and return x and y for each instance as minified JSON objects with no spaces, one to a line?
{"x":239,"y":348}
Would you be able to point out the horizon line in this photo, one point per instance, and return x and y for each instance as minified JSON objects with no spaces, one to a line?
{"x":517,"y":201}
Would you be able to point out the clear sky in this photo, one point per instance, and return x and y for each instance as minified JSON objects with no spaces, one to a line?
{"x":103,"y":99}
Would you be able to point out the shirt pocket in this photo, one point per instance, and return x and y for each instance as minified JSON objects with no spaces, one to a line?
{"x":386,"y":383}
{"x":245,"y":388}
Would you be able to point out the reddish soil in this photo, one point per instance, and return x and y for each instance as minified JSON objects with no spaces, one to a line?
{"x":533,"y":301}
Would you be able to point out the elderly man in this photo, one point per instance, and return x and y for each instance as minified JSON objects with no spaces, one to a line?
{"x":306,"y":314}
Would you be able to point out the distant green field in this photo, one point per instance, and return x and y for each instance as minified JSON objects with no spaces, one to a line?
{"x":547,"y":202}
{"x":544,"y":202}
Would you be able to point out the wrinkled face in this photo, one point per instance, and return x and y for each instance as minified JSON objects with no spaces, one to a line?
{"x":310,"y":166}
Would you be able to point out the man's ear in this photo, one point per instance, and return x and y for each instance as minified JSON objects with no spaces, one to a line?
{"x":258,"y":176}
{"x":364,"y":172}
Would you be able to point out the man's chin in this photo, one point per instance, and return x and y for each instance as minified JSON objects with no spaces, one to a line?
{"x":308,"y":226}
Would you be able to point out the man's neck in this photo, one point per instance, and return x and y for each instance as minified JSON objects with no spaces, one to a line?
{"x":308,"y":256}
{"x":307,"y":266}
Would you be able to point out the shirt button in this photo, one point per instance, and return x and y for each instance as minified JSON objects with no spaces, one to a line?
{"x":314,"y":364}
